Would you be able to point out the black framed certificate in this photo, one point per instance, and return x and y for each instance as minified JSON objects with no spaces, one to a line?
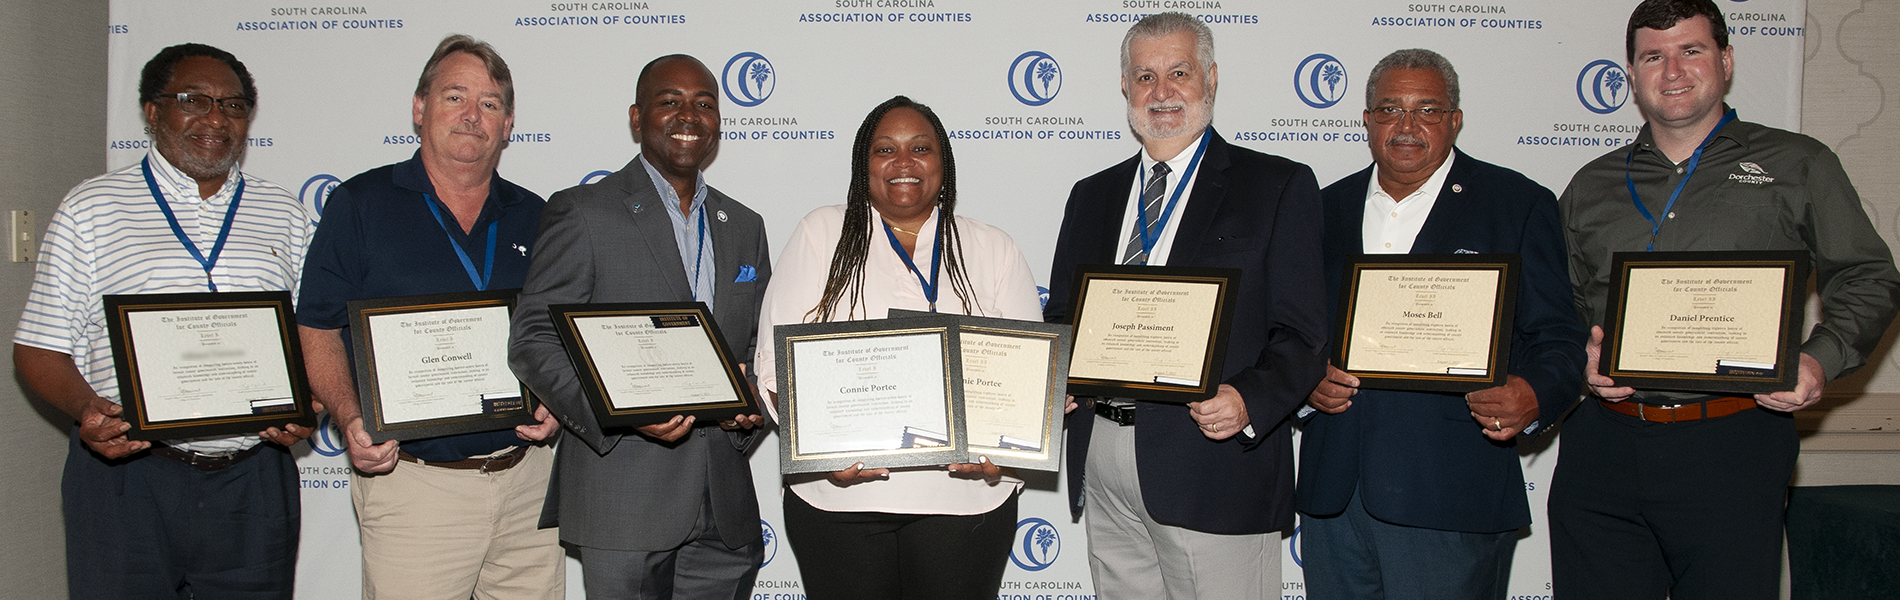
{"x":435,"y":365}
{"x":207,"y":364}
{"x":1427,"y":322}
{"x":1151,"y":333}
{"x":1715,"y":322}
{"x":642,"y":363}
{"x":883,"y":392}
{"x":1015,"y":375}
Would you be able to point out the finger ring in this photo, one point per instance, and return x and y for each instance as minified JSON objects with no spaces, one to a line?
{"x":1495,"y":423}
{"x":1216,"y":428}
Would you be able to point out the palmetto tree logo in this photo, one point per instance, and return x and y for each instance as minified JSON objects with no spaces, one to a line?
{"x":316,"y":191}
{"x":1603,"y":86}
{"x":1035,"y":78}
{"x":1038,"y":544}
{"x":748,"y":79}
{"x":1320,"y":81}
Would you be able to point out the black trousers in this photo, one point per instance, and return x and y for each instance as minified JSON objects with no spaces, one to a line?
{"x":149,"y":527}
{"x":887,"y":556}
{"x":1690,"y":510}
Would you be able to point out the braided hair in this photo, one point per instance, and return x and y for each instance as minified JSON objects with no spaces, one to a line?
{"x":846,"y":279}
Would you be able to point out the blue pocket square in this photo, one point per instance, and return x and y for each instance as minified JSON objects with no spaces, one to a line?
{"x":746,"y":274}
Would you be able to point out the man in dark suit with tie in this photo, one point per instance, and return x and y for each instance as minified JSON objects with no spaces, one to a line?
{"x":1414,"y":494}
{"x":1187,"y":501}
{"x":669,"y":511}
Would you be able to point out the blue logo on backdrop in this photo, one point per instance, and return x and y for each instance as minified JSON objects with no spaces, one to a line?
{"x":1603,"y":87}
{"x":594,"y":176}
{"x":326,"y":441}
{"x":1035,"y":78}
{"x":316,"y":191}
{"x":770,"y":536}
{"x":1320,"y":81}
{"x":1040,"y":544}
{"x":1042,"y":293}
{"x":1293,"y":545}
{"x":748,"y":79}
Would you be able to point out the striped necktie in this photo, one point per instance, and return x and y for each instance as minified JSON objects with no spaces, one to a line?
{"x":1151,"y":197}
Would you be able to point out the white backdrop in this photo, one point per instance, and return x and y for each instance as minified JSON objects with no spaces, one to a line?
{"x":1543,"y":88}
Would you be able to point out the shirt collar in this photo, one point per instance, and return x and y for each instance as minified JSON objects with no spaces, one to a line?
{"x":1430,"y":189}
{"x":1179,"y":163}
{"x":181,"y":186}
{"x":666,"y":190}
{"x":1736,"y":131}
{"x":413,"y":176}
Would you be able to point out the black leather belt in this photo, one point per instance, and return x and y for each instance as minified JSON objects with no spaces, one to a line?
{"x":1121,"y":412}
{"x":205,"y":462}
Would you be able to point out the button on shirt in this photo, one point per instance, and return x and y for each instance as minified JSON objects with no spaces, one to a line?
{"x":1390,"y":227}
{"x":109,"y":237}
{"x":1131,"y":222}
{"x":696,"y":254}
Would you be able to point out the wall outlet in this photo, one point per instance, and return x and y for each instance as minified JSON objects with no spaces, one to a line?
{"x":25,"y":248}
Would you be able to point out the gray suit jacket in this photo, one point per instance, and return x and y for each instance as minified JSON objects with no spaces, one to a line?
{"x":611,"y":241}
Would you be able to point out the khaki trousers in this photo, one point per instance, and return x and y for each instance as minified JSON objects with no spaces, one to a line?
{"x":449,"y":534}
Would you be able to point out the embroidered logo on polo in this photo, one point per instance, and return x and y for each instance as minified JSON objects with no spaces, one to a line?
{"x":1756,"y":175}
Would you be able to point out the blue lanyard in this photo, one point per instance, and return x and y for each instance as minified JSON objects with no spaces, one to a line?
{"x":488,"y":265}
{"x":936,"y":261}
{"x":1694,"y":159}
{"x":1149,"y":237}
{"x":224,"y":232}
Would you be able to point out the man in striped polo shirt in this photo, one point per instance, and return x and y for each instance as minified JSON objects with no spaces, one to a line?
{"x":210,"y":517}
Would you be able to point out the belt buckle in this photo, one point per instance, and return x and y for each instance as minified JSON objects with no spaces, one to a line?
{"x":1669,"y":410}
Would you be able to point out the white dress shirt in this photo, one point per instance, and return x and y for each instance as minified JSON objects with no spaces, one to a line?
{"x":1177,"y":178}
{"x":1391,"y":227}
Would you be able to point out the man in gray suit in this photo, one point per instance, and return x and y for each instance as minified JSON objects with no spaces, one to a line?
{"x":668,"y":512}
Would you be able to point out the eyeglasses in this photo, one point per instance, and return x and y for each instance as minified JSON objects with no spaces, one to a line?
{"x":1426,"y":115}
{"x":200,"y":104}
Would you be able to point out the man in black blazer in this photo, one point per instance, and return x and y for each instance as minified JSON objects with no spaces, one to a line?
{"x":1412,"y":494}
{"x":1188,"y":501}
{"x":668,"y":512}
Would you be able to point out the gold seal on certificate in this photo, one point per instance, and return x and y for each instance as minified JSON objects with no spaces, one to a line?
{"x":1151,"y":333}
{"x":1426,"y":322}
{"x":643,"y":363}
{"x":1014,"y":387}
{"x":1715,"y":322}
{"x":192,"y":365}
{"x":435,"y":365}
{"x":881,"y":392}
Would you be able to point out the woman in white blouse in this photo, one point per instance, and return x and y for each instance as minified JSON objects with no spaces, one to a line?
{"x":911,"y":533}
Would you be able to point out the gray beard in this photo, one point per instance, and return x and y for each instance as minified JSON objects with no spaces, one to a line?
{"x":1198,"y":119}
{"x":169,"y":146}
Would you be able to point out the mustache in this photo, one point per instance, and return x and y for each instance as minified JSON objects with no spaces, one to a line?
{"x":468,"y":128}
{"x":1405,"y":139}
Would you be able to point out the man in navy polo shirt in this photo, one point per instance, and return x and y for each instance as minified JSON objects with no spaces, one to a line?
{"x":453,"y":516}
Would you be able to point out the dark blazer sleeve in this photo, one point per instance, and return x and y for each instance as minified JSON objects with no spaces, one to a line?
{"x":1293,"y":359}
{"x":562,"y":272}
{"x":1547,"y":351}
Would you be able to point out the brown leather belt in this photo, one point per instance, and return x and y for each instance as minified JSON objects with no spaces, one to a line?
{"x":205,"y":462}
{"x":1695,"y":411}
{"x":493,"y":464}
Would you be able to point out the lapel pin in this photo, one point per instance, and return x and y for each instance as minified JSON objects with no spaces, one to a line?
{"x":722,"y":216}
{"x":637,"y":208}
{"x":1457,"y":189}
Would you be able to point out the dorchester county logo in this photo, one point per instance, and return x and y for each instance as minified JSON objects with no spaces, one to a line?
{"x":770,"y":536}
{"x":316,"y":191}
{"x":1035,"y":78}
{"x":1603,"y":86}
{"x":326,"y":441}
{"x":1038,"y":544}
{"x":748,"y":79}
{"x":1320,"y":81}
